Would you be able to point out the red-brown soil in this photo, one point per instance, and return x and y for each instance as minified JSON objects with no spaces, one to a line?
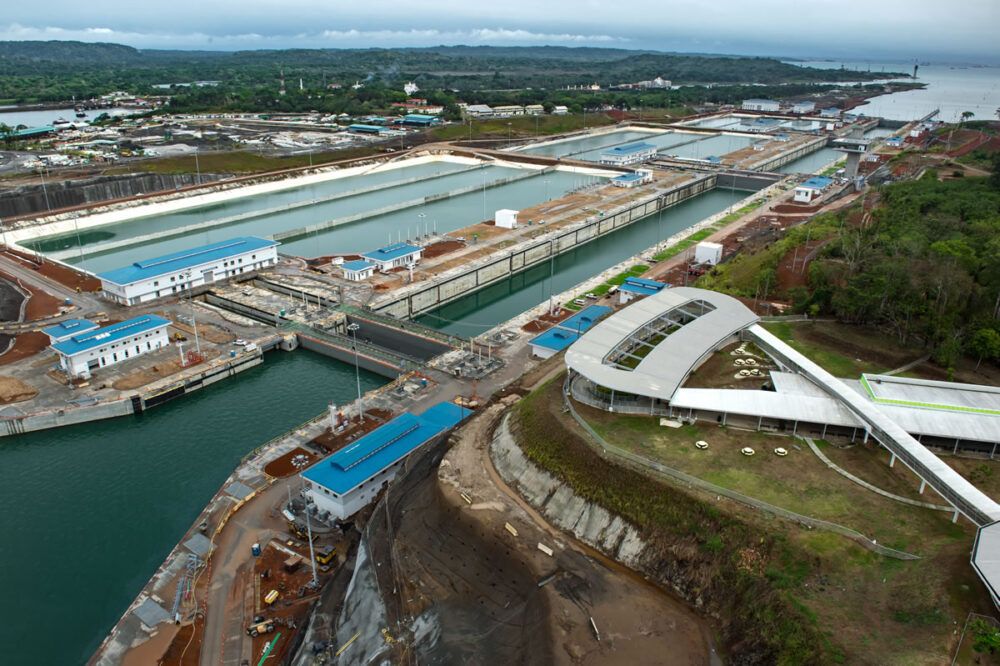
{"x":25,"y":345}
{"x":281,"y":467}
{"x":62,"y":274}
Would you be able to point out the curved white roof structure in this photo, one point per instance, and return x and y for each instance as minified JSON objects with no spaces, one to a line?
{"x":694,"y":322}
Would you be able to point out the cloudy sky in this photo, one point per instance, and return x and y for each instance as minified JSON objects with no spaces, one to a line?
{"x":848,"y":29}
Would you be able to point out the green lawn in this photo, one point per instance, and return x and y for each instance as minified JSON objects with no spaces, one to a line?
{"x":833,"y":362}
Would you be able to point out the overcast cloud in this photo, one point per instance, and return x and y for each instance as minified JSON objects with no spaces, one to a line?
{"x":849,"y":29}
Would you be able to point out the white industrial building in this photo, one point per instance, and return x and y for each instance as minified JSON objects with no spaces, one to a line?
{"x":766,"y":105}
{"x":632,"y":153}
{"x":397,"y":255}
{"x":82,"y":353}
{"x":811,"y":189}
{"x":506,"y":218}
{"x":350,"y":479}
{"x":802,"y":108}
{"x":65,"y":330}
{"x":478,"y":111}
{"x":174,"y":273}
{"x":634,"y":179}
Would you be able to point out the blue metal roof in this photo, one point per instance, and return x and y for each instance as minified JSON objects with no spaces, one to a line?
{"x":366,"y":128}
{"x":390,"y":252}
{"x":179,"y":261}
{"x":357,"y":265}
{"x":555,"y":338}
{"x":817,"y":182}
{"x":641,"y":286}
{"x":69,"y":327}
{"x":629,"y":177}
{"x":630,"y":148}
{"x":348,"y":468}
{"x":585,"y":318}
{"x":102,"y":336}
{"x":420,"y":119}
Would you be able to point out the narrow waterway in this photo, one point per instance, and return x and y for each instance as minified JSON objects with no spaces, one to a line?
{"x":478,"y":312}
{"x":90,"y":511}
{"x":812,"y":162}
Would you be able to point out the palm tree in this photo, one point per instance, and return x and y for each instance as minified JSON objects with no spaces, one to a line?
{"x":966,"y":115}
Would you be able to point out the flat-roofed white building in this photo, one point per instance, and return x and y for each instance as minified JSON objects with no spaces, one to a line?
{"x":358,"y":270}
{"x":172,"y":274}
{"x":766,"y":105}
{"x":802,"y":108}
{"x":82,"y":353}
{"x":505,"y":218}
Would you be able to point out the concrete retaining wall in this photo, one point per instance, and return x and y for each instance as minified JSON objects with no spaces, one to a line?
{"x":588,"y":522}
{"x":377,"y":366}
{"x":782,"y":160}
{"x":476,"y":277}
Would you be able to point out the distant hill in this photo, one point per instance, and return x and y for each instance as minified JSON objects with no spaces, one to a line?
{"x":58,"y":70}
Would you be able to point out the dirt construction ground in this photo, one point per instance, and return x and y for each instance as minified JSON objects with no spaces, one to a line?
{"x":497,"y":598}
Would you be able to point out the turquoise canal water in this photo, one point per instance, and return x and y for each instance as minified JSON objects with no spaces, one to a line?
{"x":812,"y":162}
{"x":484,"y":309}
{"x":90,"y":511}
{"x":359,"y":236}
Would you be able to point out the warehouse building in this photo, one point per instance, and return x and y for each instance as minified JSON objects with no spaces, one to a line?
{"x":172,"y":274}
{"x":765,"y":105}
{"x":632,"y":153}
{"x":82,"y":353}
{"x":634,"y":179}
{"x":350,"y":479}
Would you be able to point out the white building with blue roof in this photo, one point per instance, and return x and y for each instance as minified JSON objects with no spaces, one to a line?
{"x":172,"y":274}
{"x":83,"y":352}
{"x":349,"y":480}
{"x":357,"y":270}
{"x":392,"y":256}
{"x":631,"y":153}
{"x":566,"y":332}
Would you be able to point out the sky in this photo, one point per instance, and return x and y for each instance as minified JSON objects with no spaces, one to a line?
{"x":903,"y":30}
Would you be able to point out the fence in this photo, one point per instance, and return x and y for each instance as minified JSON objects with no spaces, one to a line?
{"x":646,"y":465}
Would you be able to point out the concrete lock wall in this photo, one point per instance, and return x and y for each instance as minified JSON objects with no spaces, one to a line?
{"x":782,"y":160}
{"x":347,"y":356}
{"x":478,"y":277}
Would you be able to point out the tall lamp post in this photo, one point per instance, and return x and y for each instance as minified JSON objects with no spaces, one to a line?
{"x":353,"y":328}
{"x":194,"y":320}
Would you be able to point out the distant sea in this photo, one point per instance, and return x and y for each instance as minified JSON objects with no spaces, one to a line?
{"x":12,"y":117}
{"x":951,"y":88}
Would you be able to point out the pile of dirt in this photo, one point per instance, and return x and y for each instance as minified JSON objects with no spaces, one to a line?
{"x":25,"y":345}
{"x":14,"y":390}
{"x":546,"y":321}
{"x":64,"y":275}
{"x":159,"y":370}
{"x":292,"y":462}
{"x":442,"y":247}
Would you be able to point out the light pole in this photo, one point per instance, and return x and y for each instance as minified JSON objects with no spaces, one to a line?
{"x":45,"y":190}
{"x":194,"y":320}
{"x":353,"y":328}
{"x":508,"y":134}
{"x":421,"y":217}
{"x":546,"y":181}
{"x":197,"y":166}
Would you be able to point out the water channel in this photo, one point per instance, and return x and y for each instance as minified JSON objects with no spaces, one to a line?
{"x":478,"y":312}
{"x":90,"y":511}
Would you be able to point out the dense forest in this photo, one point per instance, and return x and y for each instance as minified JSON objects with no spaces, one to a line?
{"x":924,"y":268}
{"x":54,"y":71}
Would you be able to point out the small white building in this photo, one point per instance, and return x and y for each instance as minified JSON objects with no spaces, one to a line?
{"x":632,"y":153}
{"x":174,"y":273}
{"x":560,"y":111}
{"x":411,"y":88}
{"x":506,"y":218}
{"x":394,"y":256}
{"x":82,"y":353}
{"x":357,"y":270}
{"x":802,"y":108}
{"x":479,"y":111}
{"x":350,"y":479}
{"x":709,"y":253}
{"x":534,"y":110}
{"x":811,"y":189}
{"x":766,"y":105}
{"x":508,"y":110}
{"x":634,"y":179}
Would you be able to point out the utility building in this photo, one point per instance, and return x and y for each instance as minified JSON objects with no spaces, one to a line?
{"x":173,"y":273}
{"x":358,"y":270}
{"x":811,"y":189}
{"x":65,"y":330}
{"x":632,"y":153}
{"x":350,"y":479}
{"x":766,"y":105}
{"x":506,"y":218}
{"x":82,"y":353}
{"x":392,"y":256}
